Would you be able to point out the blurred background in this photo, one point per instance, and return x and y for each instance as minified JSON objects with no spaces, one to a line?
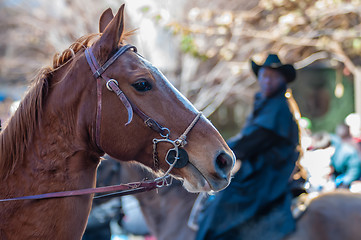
{"x":204,"y":47}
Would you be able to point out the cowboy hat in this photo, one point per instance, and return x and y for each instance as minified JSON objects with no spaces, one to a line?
{"x":272,"y":61}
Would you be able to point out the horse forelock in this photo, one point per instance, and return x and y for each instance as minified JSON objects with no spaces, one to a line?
{"x":80,"y":44}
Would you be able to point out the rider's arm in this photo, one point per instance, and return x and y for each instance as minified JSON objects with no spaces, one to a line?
{"x":258,"y":141}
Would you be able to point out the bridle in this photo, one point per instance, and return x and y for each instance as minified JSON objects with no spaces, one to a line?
{"x":112,"y":85}
{"x":176,"y":157}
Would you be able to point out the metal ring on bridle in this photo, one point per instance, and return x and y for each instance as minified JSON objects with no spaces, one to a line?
{"x":111,"y":80}
{"x":165,"y":135}
{"x":156,"y":141}
{"x":163,"y":181}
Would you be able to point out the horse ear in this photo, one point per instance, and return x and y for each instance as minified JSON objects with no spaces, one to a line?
{"x":105,"y":19}
{"x":110,"y":37}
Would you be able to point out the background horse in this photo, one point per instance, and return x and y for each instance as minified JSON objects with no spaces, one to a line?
{"x":68,"y":120}
{"x":330,"y":216}
{"x":166,"y":210}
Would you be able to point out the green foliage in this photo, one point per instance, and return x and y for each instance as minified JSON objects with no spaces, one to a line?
{"x":339,"y":107}
{"x":314,"y":91}
{"x":356,"y":44}
{"x":145,"y":9}
{"x":188,"y":46}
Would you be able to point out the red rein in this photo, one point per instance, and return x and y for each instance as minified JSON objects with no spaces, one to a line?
{"x":119,"y":190}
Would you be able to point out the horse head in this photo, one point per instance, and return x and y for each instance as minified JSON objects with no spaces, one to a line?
{"x":100,"y":96}
{"x":163,"y":120}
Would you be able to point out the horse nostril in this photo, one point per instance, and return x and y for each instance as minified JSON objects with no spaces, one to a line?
{"x":223,"y":165}
{"x":221,"y":162}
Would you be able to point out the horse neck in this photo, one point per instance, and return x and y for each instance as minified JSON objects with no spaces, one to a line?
{"x":58,"y":141}
{"x":59,"y":156}
{"x":62,"y":143}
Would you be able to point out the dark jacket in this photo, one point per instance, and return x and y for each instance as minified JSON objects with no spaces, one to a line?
{"x":267,"y":146}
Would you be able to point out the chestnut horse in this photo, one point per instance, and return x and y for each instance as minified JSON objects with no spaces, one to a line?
{"x":75,"y":112}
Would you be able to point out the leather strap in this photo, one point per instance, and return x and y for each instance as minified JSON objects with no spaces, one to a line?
{"x":114,"y":87}
{"x":98,"y":73}
{"x":94,"y":65}
{"x":126,"y":189}
{"x":100,"y":70}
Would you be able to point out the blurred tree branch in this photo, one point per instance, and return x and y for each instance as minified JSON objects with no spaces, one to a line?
{"x":212,"y":40}
{"x":32,"y":31}
{"x":301,"y":32}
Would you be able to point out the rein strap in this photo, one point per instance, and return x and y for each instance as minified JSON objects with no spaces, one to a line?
{"x":125,"y":189}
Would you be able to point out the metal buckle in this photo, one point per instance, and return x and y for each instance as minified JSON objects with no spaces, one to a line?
{"x":108,"y":86}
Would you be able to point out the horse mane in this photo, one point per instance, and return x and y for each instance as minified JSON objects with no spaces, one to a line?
{"x":16,"y":136}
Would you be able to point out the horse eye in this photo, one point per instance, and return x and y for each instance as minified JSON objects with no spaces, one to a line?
{"x":142,"y":85}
